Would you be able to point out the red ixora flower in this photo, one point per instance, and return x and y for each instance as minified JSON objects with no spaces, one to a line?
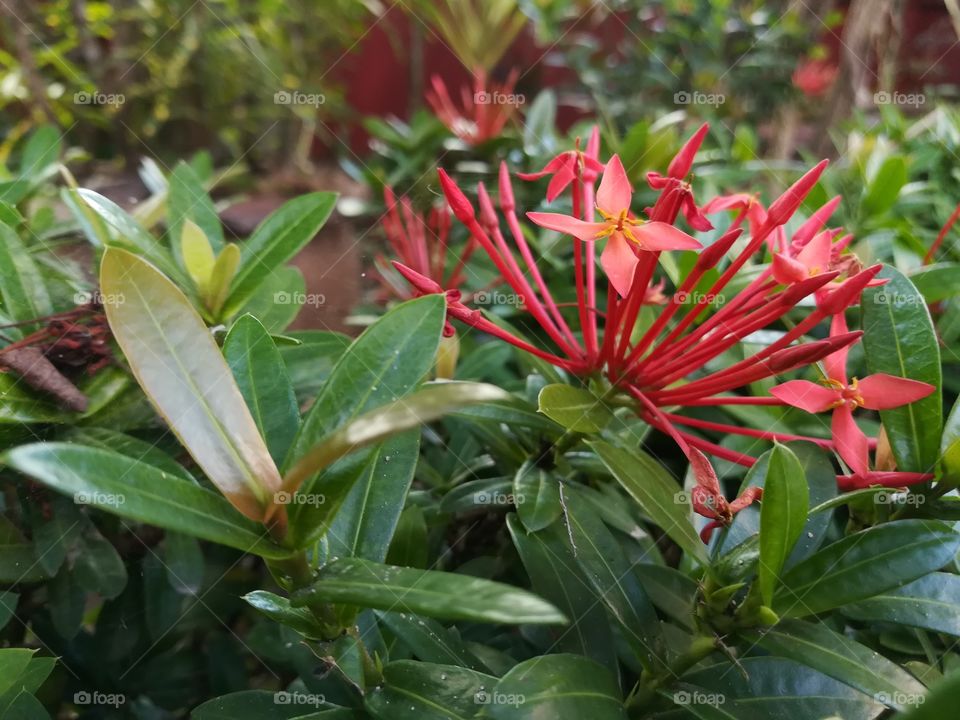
{"x":679,"y":361}
{"x":483,"y":110}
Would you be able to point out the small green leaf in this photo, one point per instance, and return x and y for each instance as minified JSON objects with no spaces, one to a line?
{"x":536,"y":494}
{"x":425,"y":592}
{"x":424,"y":691}
{"x":576,"y":409}
{"x":198,"y":256}
{"x":783,"y":512}
{"x":658,"y":494}
{"x":279,"y":610}
{"x":950,"y":446}
{"x":883,"y":190}
{"x":930,"y":603}
{"x":221,"y":278}
{"x":22,"y":290}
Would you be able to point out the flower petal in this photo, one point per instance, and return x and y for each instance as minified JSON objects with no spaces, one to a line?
{"x":815,"y":255}
{"x":806,"y":395}
{"x":849,"y":441}
{"x":566,"y":224}
{"x":747,"y":497}
{"x":614,"y":192}
{"x":663,"y":236}
{"x":619,"y":262}
{"x":563,"y":177}
{"x":882,"y":392}
{"x":787,"y":270}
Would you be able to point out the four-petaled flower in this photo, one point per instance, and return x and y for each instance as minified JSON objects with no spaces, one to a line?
{"x":568,"y":166}
{"x":626,"y":234}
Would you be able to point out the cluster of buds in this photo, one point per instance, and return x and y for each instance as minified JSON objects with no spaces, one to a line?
{"x":676,"y":362}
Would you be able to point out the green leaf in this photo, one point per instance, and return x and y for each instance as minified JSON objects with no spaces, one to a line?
{"x":123,"y":486}
{"x":930,"y":603}
{"x":277,"y":240}
{"x":540,"y":124}
{"x":424,"y":691}
{"x":899,"y":339}
{"x":429,"y":640}
{"x":183,"y":560}
{"x":606,"y":567}
{"x":366,"y":521}
{"x":189,"y":203}
{"x":769,"y":687}
{"x":425,"y":592}
{"x":407,"y":413}
{"x":864,"y":564}
{"x":98,"y":567}
{"x":22,"y":289}
{"x":559,"y":687}
{"x":258,"y":368}
{"x":576,"y":409}
{"x":556,"y":576}
{"x":279,"y":610}
{"x":536,"y":493}
{"x":651,"y":486}
{"x":198,"y":256}
{"x":221,"y":279}
{"x":937,"y":282}
{"x":883,"y":190}
{"x":843,"y":659}
{"x":41,"y":149}
{"x":940,"y":703}
{"x":268,"y":705}
{"x":179,"y":366}
{"x":783,"y":514}
{"x":13,"y":663}
{"x":8,"y":606}
{"x":950,"y":446}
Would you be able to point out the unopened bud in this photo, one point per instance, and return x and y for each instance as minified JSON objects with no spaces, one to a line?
{"x":457,"y":200}
{"x":680,"y":166}
{"x":786,"y":205}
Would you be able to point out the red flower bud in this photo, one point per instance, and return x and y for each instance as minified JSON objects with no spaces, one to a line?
{"x":786,"y":205}
{"x":681,"y":164}
{"x":457,"y":200}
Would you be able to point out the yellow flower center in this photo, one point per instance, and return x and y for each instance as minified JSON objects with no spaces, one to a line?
{"x":619,"y":223}
{"x":849,"y":394}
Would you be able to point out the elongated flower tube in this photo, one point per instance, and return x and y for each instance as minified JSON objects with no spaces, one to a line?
{"x":702,"y":347}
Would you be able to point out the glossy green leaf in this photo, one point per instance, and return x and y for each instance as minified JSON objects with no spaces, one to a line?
{"x":606,"y":567}
{"x":122,"y":486}
{"x":188,"y":202}
{"x":276,"y":240}
{"x":270,"y":705}
{"x":365,"y":523}
{"x":258,"y":368}
{"x":98,"y":566}
{"x":884,"y":188}
{"x":950,"y":446}
{"x":429,"y":640}
{"x":783,"y":513}
{"x":937,"y":282}
{"x":536,"y":494}
{"x":899,"y":339}
{"x":425,"y":592}
{"x":843,"y":659}
{"x":180,"y":368}
{"x":424,"y":691}
{"x":658,"y":494}
{"x":42,"y":148}
{"x":139,"y":450}
{"x":672,"y":592}
{"x":769,"y":687}
{"x":556,"y":576}
{"x":183,"y":561}
{"x":279,"y":610}
{"x":198,"y":256}
{"x":559,"y":687}
{"x":864,"y":564}
{"x":13,"y":663}
{"x":940,"y":703}
{"x":576,"y":409}
{"x":22,"y":290}
{"x":930,"y":603}
{"x":221,"y":278}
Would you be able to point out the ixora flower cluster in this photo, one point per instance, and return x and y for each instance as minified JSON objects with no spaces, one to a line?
{"x":670,"y":365}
